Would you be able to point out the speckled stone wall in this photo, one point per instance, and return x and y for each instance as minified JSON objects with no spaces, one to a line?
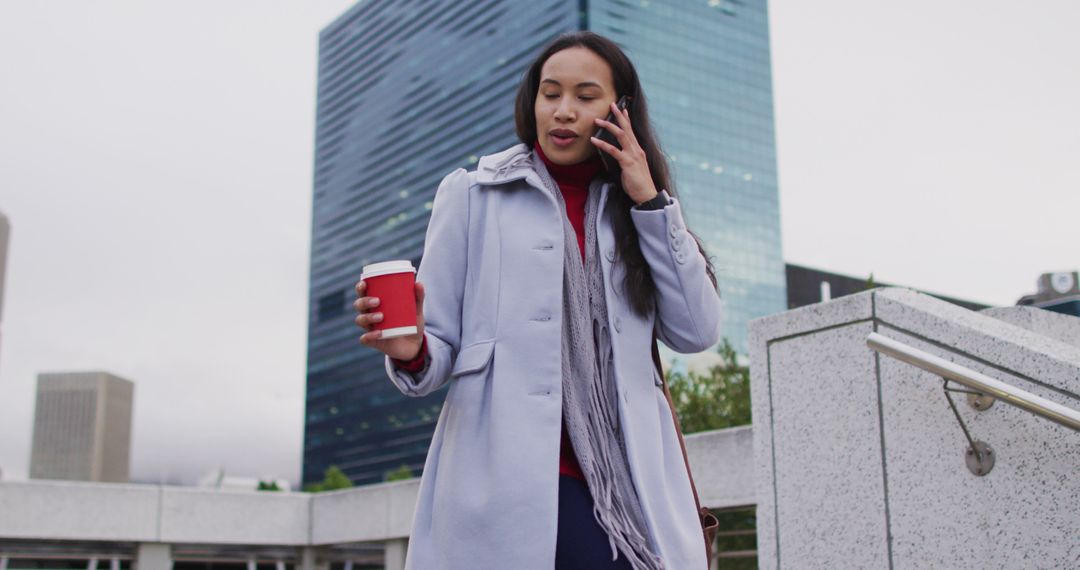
{"x":1065,"y":328}
{"x":859,"y":461}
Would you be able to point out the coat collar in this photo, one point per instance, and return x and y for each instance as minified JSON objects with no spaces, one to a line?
{"x":514,"y":164}
{"x":505,"y":166}
{"x":510,"y":165}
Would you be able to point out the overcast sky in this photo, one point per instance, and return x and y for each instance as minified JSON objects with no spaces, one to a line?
{"x":155,"y":163}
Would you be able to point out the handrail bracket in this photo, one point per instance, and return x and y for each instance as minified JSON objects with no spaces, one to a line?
{"x":979,"y":455}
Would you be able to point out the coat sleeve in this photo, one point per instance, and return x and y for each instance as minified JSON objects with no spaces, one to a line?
{"x":442,"y":271}
{"x":688,"y":306}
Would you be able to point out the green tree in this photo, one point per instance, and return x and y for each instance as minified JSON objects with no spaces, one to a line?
{"x":333,"y":479}
{"x":268,"y":486}
{"x":399,"y":474}
{"x":718,"y":399}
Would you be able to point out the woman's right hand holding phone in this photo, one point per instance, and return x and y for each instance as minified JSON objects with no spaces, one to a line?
{"x":403,"y":348}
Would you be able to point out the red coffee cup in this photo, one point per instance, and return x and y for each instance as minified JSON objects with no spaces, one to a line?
{"x":393,"y":282}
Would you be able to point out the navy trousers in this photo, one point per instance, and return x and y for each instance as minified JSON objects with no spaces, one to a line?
{"x":582,"y":543}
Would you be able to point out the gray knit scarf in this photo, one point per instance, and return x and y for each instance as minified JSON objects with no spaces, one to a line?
{"x":590,"y":401}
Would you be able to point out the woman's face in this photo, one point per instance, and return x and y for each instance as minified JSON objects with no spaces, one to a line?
{"x":576,"y":87}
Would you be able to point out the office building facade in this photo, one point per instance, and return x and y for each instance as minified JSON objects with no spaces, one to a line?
{"x":82,"y":427}
{"x":408,"y":94}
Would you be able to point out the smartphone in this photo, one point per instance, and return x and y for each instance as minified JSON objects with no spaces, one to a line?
{"x":610,"y":164}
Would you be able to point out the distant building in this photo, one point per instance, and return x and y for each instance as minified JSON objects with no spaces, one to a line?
{"x":5,"y":235}
{"x":82,"y":427}
{"x":806,"y":286}
{"x":1058,"y":292}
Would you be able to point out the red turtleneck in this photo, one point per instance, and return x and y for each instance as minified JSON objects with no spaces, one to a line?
{"x":573,"y":181}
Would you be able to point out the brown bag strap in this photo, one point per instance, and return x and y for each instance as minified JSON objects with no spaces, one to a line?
{"x":709,"y":523}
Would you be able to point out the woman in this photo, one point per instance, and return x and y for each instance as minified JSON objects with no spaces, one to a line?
{"x":547,"y":277}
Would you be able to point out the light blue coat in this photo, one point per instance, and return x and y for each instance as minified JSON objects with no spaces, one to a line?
{"x":492,"y":268}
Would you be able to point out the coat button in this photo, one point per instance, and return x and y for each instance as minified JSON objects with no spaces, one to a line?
{"x":610,"y":255}
{"x":676,"y":243}
{"x":680,"y":257}
{"x":618,"y":324}
{"x":674,"y":230}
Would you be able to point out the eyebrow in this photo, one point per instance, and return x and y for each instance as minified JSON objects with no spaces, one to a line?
{"x":582,"y":84}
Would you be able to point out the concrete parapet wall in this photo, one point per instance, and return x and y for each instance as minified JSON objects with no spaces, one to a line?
{"x":78,"y":511}
{"x":722,"y":462}
{"x":66,"y":510}
{"x":373,"y":512}
{"x":233,"y":517}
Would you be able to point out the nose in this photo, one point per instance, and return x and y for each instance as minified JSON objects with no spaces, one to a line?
{"x":564,"y":112}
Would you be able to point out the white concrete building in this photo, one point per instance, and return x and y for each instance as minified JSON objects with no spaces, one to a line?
{"x":155,"y":526}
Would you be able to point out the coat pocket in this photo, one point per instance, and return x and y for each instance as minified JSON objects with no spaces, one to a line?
{"x":473,"y":358}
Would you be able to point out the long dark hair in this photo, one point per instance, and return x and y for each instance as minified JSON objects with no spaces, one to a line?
{"x":639,"y":285}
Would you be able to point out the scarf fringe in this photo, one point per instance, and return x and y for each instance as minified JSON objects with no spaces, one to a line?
{"x":590,"y":398}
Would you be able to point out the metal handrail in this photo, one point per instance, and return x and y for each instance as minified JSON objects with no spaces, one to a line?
{"x":1039,"y":406}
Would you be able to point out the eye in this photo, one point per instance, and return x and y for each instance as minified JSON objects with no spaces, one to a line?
{"x":550,"y":96}
{"x":588,"y":98}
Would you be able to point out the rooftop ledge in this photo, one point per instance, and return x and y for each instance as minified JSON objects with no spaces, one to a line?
{"x":73,"y":510}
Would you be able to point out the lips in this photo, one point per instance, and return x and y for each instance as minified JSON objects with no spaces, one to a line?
{"x":562,"y":137}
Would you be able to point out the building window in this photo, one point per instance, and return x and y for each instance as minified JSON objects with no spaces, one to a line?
{"x":332,"y":305}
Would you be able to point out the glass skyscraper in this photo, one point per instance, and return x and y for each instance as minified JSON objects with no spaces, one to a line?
{"x":410,"y":91}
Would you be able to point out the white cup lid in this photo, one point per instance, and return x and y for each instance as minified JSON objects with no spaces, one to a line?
{"x":386,"y":268}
